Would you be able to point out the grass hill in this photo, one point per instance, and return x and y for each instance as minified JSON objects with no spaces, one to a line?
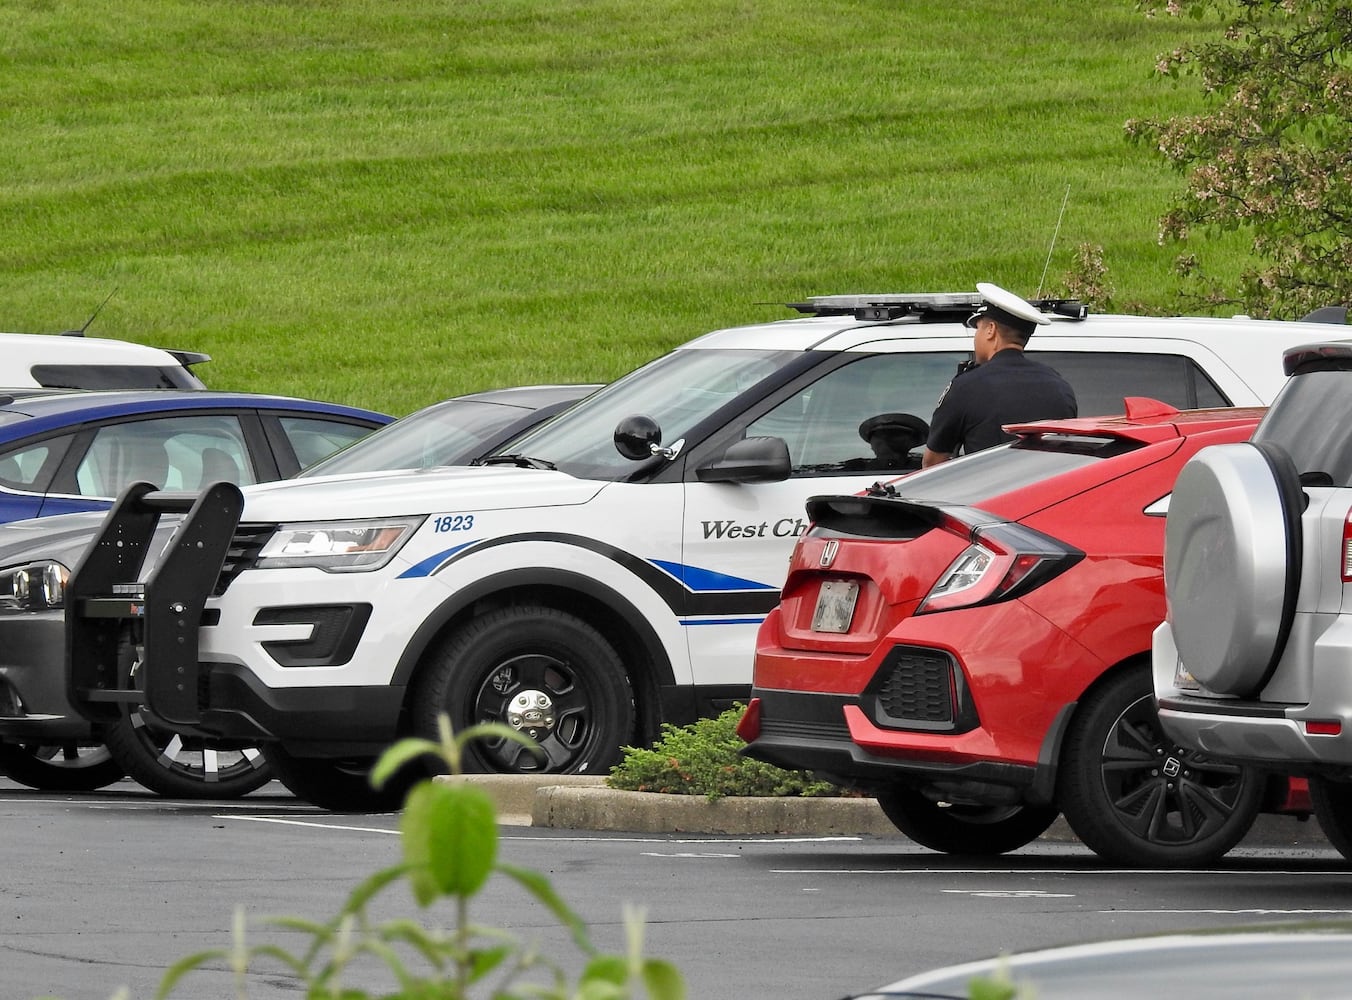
{"x":386,"y":202}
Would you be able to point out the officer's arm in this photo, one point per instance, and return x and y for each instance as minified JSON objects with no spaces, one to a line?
{"x":934,"y":458}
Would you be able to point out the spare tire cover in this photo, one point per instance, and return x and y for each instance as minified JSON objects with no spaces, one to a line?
{"x":1232,"y":563}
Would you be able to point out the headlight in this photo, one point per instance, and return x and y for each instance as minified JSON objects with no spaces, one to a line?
{"x":337,"y":546}
{"x":33,"y":586}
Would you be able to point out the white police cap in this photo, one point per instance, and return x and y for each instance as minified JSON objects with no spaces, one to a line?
{"x":1007,"y":308}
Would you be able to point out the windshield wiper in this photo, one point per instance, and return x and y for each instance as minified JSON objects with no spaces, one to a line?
{"x":517,"y":459}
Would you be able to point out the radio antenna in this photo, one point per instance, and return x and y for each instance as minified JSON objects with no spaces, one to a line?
{"x":81,"y":332}
{"x":1056,"y":232}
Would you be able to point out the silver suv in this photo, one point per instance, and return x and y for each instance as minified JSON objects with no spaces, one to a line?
{"x":1254,"y":662}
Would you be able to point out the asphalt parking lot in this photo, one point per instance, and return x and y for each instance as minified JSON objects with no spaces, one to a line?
{"x":108,"y":889}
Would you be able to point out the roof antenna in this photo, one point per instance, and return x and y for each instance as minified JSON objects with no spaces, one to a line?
{"x":81,"y":332}
{"x":1060,"y":215}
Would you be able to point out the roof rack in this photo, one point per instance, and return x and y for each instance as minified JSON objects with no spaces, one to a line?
{"x":928,"y":307}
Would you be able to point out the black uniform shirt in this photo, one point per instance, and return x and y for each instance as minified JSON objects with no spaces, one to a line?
{"x":1010,"y":388}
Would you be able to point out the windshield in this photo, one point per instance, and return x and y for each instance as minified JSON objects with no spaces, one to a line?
{"x":452,"y":432}
{"x":678,"y":391}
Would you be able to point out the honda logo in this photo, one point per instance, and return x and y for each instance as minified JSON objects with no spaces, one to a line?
{"x":828,"y":553}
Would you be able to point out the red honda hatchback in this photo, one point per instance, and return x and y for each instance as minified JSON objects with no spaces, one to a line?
{"x":971,"y":644}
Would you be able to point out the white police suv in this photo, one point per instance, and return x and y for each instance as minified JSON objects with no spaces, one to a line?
{"x":605,"y":574}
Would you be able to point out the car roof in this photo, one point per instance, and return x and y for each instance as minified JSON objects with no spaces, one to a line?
{"x":34,"y":410}
{"x":36,"y":348}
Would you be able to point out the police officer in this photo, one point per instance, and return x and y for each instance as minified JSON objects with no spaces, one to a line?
{"x":1001,"y":386}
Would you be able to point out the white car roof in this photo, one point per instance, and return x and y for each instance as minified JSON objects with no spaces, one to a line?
{"x":20,"y":352}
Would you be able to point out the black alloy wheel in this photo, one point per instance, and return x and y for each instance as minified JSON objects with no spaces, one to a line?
{"x":175,"y":765}
{"x":184,"y":767}
{"x":545,"y":673}
{"x":1138,"y":799}
{"x":65,"y":767}
{"x":974,"y":830}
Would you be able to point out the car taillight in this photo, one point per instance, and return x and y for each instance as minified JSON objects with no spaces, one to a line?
{"x":1003,"y":562}
{"x":1347,"y":548}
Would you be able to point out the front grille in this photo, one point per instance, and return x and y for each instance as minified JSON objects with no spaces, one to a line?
{"x":917,"y":688}
{"x":248,"y":541}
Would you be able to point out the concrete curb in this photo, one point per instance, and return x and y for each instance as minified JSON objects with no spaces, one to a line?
{"x":583,"y":802}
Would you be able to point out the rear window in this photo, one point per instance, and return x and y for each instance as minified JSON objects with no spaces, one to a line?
{"x":1006,"y":468}
{"x":1310,"y":420}
{"x":114,"y":377}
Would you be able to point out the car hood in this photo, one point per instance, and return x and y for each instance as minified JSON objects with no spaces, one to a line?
{"x":422,"y":491}
{"x":63,"y":538}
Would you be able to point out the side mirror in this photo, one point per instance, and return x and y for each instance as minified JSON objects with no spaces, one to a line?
{"x":751,"y":460}
{"x":636,"y":435}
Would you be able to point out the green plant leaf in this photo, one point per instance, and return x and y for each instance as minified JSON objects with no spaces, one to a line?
{"x":401,"y":753}
{"x":539,"y":887}
{"x":185,"y":965}
{"x":662,"y":980}
{"x":450,"y":836}
{"x":608,"y":968}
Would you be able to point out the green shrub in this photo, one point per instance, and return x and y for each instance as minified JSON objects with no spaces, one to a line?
{"x":703,"y":759}
{"x":450,"y":838}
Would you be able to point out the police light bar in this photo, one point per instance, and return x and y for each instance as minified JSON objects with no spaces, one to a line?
{"x":926,"y":306}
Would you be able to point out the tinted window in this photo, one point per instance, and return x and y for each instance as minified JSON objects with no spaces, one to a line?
{"x":114,"y":377}
{"x":1310,"y":419}
{"x":1006,"y":468}
{"x":1101,"y":380}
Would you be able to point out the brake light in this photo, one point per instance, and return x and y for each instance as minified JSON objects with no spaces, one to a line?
{"x":1003,"y":562}
{"x":1347,"y":548}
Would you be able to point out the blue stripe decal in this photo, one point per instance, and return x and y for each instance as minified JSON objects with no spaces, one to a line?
{"x":704,"y":581}
{"x":432,"y":563}
{"x":688,"y":623}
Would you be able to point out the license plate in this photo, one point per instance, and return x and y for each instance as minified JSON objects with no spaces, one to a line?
{"x":835,"y":606}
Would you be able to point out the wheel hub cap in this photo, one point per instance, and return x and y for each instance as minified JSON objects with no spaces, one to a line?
{"x":532,"y":713}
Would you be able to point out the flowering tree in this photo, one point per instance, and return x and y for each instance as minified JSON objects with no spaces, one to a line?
{"x":1272,"y":156}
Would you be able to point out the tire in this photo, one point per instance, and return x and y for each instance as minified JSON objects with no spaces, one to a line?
{"x":340,"y":785}
{"x":184,"y":767}
{"x":1332,"y":801}
{"x":543,"y":672}
{"x":979,"y":831}
{"x":64,"y":768}
{"x":178,"y":766}
{"x":1134,"y":797}
{"x":1233,"y":548}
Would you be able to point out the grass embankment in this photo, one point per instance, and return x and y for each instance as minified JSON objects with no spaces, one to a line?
{"x":388,"y":203}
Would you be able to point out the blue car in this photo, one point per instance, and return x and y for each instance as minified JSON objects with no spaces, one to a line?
{"x":62,"y":451}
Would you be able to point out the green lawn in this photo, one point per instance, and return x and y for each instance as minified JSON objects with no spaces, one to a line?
{"x":386,"y":202}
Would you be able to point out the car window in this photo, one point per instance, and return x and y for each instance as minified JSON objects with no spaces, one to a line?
{"x":1007,"y":468}
{"x":1310,"y":420}
{"x":174,"y":453}
{"x":1102,"y":379}
{"x":823,"y":424}
{"x":114,"y":377}
{"x":313,"y":438}
{"x":32,"y":466}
